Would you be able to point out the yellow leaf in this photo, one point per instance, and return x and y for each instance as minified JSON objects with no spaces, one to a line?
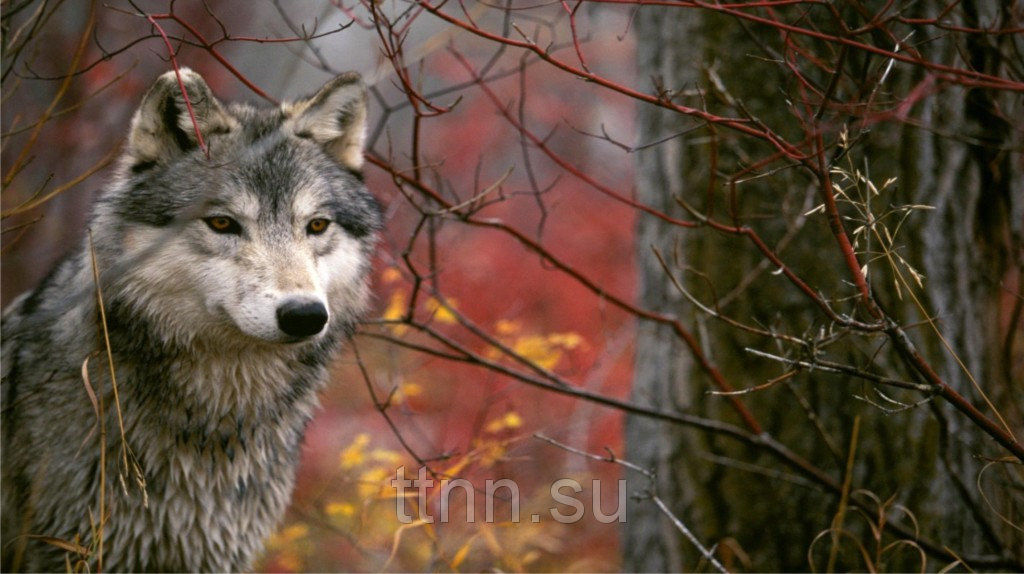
{"x":289,"y":535}
{"x":491,"y":452}
{"x":353,"y":454}
{"x":294,"y":532}
{"x":566,"y":340}
{"x":511,"y":420}
{"x":405,"y":391}
{"x":440,"y":312}
{"x":497,"y":425}
{"x":538,"y":350}
{"x":395,"y":311}
{"x":384,"y":455}
{"x":507,"y":326}
{"x":373,"y":482}
{"x":396,"y":306}
{"x":340,"y":509}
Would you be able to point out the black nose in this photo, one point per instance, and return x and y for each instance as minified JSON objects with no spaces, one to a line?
{"x":301,"y":318}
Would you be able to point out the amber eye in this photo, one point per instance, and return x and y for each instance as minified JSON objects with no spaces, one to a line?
{"x":223,"y":224}
{"x":317,"y":226}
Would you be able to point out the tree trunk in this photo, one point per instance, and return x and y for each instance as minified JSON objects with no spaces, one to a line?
{"x":965,"y":161}
{"x":669,"y":44}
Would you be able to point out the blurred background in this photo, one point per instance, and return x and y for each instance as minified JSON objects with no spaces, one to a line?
{"x":457,"y":415}
{"x":611,"y":229}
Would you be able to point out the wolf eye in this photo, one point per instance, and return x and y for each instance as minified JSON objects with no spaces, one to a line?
{"x":223,"y":224}
{"x":317,"y":226}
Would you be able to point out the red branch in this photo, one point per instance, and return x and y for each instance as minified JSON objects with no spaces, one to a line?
{"x":705,"y":364}
{"x":737,"y":124}
{"x":953,"y":74}
{"x":181,"y":85}
{"x":209,"y":48}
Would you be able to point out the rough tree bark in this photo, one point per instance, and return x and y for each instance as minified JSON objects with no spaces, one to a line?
{"x":965,"y":161}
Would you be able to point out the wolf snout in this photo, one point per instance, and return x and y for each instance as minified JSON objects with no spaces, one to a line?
{"x":301,"y":317}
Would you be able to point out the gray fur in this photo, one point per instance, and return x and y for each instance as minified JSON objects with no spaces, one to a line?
{"x":214,"y":397}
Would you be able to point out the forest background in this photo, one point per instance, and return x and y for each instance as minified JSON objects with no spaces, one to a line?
{"x":758,"y":259}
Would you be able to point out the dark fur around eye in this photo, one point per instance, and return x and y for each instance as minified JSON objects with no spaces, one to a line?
{"x":223,"y":224}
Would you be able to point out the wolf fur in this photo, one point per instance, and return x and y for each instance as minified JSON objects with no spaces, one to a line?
{"x":225,"y":294}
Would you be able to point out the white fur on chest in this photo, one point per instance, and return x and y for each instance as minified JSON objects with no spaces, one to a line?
{"x":219,"y":470}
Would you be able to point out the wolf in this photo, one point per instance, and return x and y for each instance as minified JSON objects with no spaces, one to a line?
{"x":157,"y":384}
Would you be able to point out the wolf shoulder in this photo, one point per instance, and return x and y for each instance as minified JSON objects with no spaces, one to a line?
{"x":52,"y":315}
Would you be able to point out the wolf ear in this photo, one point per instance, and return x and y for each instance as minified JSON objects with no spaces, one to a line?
{"x":335,"y":118}
{"x":162,"y":127}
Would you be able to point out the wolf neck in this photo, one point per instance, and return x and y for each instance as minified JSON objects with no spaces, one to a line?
{"x":212,"y":380}
{"x":217,"y":434}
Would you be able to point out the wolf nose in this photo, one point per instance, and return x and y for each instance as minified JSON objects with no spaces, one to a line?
{"x":301,"y":318}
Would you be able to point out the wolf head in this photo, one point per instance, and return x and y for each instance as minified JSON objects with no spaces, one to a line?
{"x":236,"y":224}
